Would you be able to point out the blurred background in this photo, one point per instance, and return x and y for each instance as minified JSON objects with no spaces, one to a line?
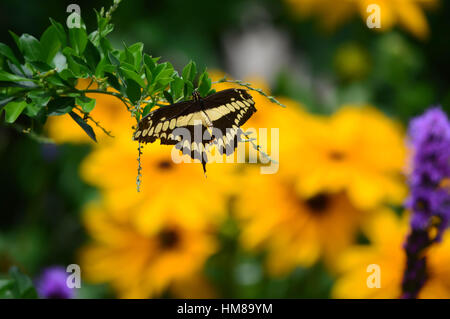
{"x":308,"y":231}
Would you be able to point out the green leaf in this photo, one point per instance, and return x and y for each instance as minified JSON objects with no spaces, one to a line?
{"x":75,"y":68}
{"x":15,"y":69}
{"x":7,"y":52}
{"x":150,"y":62}
{"x":40,"y":66}
{"x":148,"y":76}
{"x":16,"y":40}
{"x":60,"y":105}
{"x":113,"y":81}
{"x":129,"y":74}
{"x":83,"y":64}
{"x":4,"y":99}
{"x":188,"y":89}
{"x":30,"y":47}
{"x":57,"y":80}
{"x":127,"y":56}
{"x":23,"y":286}
{"x":104,"y":66}
{"x":86,"y":127}
{"x":92,"y":56}
{"x":136,"y":50}
{"x":39,"y":99}
{"x":13,"y":110}
{"x":103,"y":26}
{"x":5,"y":76}
{"x":177,"y":88}
{"x":133,"y":91}
{"x":86,"y":103}
{"x":113,"y":59}
{"x":204,"y":84}
{"x":189,"y":71}
{"x":168,"y":97}
{"x":62,"y":36}
{"x":69,"y":76}
{"x":105,"y":46}
{"x":50,"y":44}
{"x":78,"y":39}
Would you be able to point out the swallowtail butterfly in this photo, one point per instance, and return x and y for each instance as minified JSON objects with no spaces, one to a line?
{"x":217,"y":117}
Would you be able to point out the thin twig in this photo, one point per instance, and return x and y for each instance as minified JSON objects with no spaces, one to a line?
{"x":137,"y":110}
{"x":117,"y":95}
{"x":139,"y":173}
{"x":97,"y":123}
{"x":249,"y":86}
{"x":257,"y":147}
{"x":34,"y":136}
{"x":111,"y":10}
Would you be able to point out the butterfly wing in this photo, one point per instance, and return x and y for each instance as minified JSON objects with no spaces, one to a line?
{"x":161,"y":123}
{"x":222,"y":112}
{"x":228,"y":110}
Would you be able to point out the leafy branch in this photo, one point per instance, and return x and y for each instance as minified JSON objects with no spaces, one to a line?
{"x":39,"y":78}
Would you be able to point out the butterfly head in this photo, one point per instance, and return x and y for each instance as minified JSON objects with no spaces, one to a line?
{"x":196,"y":96}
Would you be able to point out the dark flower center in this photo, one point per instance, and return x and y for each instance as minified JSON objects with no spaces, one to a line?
{"x":168,"y":238}
{"x":318,"y":204}
{"x":165,"y":165}
{"x":337,"y":155}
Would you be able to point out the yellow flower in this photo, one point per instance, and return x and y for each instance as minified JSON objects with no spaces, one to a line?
{"x":406,"y":13}
{"x":357,"y":150}
{"x":142,"y":262}
{"x":109,"y":111}
{"x":113,"y":169}
{"x":331,"y":13}
{"x":387,"y":234}
{"x":289,"y":120}
{"x":295,"y":231}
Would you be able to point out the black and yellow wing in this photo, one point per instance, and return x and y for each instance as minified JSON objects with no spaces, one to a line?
{"x":218,"y":117}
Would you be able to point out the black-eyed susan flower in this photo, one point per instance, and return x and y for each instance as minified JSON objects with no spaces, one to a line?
{"x":113,"y":168}
{"x":358,"y":150}
{"x":294,"y":230}
{"x":141,"y":261}
{"x":387,"y":233}
{"x":408,"y":14}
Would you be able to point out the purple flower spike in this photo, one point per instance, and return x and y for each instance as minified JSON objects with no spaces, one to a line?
{"x":52,"y":284}
{"x":429,"y":200}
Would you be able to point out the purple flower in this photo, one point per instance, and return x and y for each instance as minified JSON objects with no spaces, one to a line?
{"x":52,"y":284}
{"x":430,"y":138}
{"x":429,"y":200}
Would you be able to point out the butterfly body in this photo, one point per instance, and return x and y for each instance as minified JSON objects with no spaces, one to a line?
{"x":220,"y":114}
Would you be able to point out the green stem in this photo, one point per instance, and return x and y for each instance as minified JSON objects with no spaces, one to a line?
{"x":249,"y":86}
{"x":105,"y":92}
